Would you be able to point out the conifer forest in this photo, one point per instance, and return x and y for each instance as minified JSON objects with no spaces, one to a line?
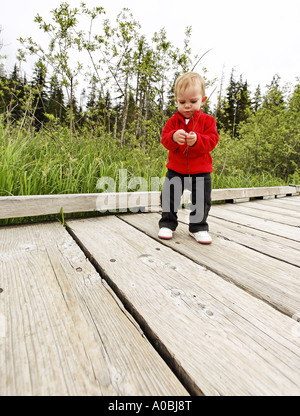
{"x":100,"y":94}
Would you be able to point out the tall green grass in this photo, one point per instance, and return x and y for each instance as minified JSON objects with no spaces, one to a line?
{"x":244,"y":180}
{"x":34,"y":163}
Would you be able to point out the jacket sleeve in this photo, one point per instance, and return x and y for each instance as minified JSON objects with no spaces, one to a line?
{"x":208,"y":140}
{"x":167,"y":135}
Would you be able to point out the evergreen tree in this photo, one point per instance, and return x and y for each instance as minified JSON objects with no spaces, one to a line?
{"x":235,"y":107}
{"x":221,"y":113}
{"x":231,"y":104}
{"x":55,"y":105}
{"x":40,"y":96}
{"x":243,"y":103}
{"x":91,"y":102}
{"x":257,"y":100}
{"x":274,"y":96}
{"x":291,"y":133}
{"x":16,"y":94}
{"x":105,"y":108}
{"x":4,"y":94}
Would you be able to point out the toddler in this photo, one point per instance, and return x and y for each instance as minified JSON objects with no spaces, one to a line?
{"x":189,"y":136}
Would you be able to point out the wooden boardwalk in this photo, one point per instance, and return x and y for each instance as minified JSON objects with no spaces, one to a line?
{"x":103,"y":307}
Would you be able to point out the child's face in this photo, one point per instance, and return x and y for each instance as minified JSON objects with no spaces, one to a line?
{"x":189,"y":101}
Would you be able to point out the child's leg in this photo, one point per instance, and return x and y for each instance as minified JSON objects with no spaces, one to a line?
{"x":201,"y":201}
{"x":170,"y":200}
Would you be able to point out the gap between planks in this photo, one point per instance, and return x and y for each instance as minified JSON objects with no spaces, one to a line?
{"x":195,"y":314}
{"x":268,"y":278}
{"x":66,"y":333}
{"x":163,"y":352}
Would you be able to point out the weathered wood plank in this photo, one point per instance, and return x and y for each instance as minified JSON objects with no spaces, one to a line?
{"x":237,"y":193}
{"x":282,"y":209}
{"x":297,"y":188}
{"x":265,"y":214}
{"x":267,"y":278}
{"x":290,"y":204}
{"x":223,"y":340}
{"x":270,"y":244}
{"x":269,"y":226}
{"x":63,"y":330}
{"x":36,"y":205}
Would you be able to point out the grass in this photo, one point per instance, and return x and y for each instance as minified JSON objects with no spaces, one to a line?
{"x":244,"y":180}
{"x":33,"y":163}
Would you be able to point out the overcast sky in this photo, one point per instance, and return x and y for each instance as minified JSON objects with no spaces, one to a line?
{"x":259,"y":38}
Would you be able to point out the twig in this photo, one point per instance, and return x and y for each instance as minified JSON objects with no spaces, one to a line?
{"x":200,"y":59}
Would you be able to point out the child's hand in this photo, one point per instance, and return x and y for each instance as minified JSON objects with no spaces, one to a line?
{"x":191,"y":139}
{"x":179,"y":137}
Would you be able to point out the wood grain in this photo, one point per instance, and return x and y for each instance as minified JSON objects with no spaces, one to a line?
{"x":266,"y":277}
{"x":37,"y":205}
{"x":223,"y":340}
{"x":66,"y":333}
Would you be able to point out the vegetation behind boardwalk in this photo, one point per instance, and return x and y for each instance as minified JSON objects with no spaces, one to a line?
{"x":99,"y":96}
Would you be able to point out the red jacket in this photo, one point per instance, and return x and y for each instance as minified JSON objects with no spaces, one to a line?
{"x":198,"y":159}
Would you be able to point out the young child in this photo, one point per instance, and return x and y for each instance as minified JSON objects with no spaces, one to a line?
{"x":189,"y":136}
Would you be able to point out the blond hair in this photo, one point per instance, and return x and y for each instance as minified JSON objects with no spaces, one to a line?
{"x":189,"y":79}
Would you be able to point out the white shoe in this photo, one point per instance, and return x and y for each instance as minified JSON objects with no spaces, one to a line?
{"x":165,"y":233}
{"x":202,"y":237}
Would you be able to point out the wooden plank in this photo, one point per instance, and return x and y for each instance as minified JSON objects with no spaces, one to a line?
{"x":295,"y":200}
{"x":235,"y":193}
{"x":297,"y":188}
{"x":265,"y":214}
{"x":282,"y":209}
{"x":288,"y":203}
{"x":37,"y":205}
{"x":267,"y":278}
{"x":64,"y":332}
{"x":223,"y":340}
{"x":271,"y":227}
{"x":270,"y":244}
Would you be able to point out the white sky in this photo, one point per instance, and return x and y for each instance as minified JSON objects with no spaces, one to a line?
{"x":259,"y":38}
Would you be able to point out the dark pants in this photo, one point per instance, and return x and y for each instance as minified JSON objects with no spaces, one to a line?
{"x":173,"y":187}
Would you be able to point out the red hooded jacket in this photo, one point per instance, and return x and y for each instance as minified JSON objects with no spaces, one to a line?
{"x":197,"y":159}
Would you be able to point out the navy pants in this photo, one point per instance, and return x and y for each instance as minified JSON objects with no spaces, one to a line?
{"x":173,"y":187}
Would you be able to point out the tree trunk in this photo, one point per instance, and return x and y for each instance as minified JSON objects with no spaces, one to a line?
{"x":71,"y":115}
{"x":125,"y":110}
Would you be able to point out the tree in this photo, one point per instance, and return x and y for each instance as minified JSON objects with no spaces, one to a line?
{"x":235,"y":107}
{"x":40,"y":98}
{"x":232,"y":91}
{"x":274,"y":97}
{"x":16,"y":94}
{"x":271,"y":135}
{"x":62,"y":42}
{"x":257,"y":100}
{"x":127,"y":34}
{"x":243,"y":103}
{"x":55,"y":105}
{"x":291,"y":136}
{"x":138,"y":75}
